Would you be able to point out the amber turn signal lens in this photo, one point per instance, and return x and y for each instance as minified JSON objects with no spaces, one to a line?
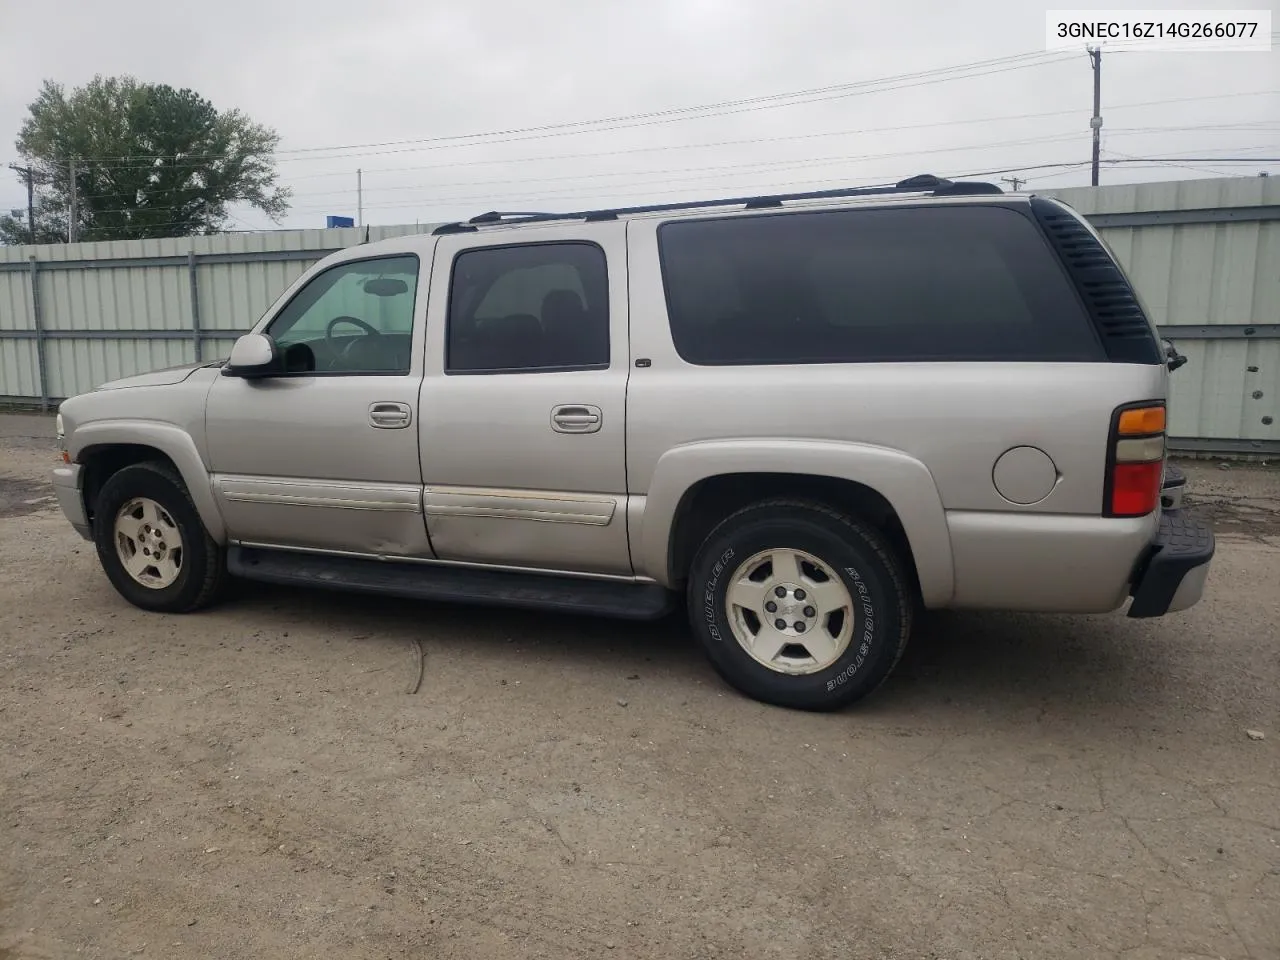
{"x":1141,"y":420}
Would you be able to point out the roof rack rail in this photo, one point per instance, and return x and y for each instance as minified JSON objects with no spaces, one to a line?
{"x":497,"y":216}
{"x":963,"y":188}
{"x":924,"y":183}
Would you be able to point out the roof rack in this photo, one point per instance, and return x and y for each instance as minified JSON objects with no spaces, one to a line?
{"x":495,"y":216}
{"x":924,"y":183}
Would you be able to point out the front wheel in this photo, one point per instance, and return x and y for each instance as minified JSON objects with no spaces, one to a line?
{"x":151,"y":543}
{"x":799,"y":605}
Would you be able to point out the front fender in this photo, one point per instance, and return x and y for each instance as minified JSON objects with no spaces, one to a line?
{"x":901,"y":479}
{"x":174,"y":443}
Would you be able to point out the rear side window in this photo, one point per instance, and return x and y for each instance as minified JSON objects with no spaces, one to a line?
{"x":527,"y":308}
{"x":943,"y":283}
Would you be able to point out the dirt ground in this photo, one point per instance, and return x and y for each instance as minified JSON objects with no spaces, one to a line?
{"x":255,"y":781}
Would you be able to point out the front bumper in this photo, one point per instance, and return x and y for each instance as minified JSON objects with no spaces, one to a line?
{"x":66,"y":485}
{"x":1173,"y":572}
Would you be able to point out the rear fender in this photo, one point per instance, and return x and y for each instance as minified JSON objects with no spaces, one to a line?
{"x":901,"y":479}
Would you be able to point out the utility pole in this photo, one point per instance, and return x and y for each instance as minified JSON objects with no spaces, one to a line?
{"x":1095,"y":55}
{"x":72,"y":232}
{"x":29,"y":178}
{"x":359,"y":198}
{"x":1016,"y":182}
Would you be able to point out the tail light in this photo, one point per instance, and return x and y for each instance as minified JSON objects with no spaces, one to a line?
{"x":1135,"y":460}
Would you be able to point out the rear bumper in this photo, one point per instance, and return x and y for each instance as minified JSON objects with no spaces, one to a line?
{"x":1046,"y":563}
{"x":1172,"y":574}
{"x":66,"y":485}
{"x":1175,"y":482}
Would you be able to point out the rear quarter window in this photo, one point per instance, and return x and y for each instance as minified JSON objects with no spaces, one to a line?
{"x":848,"y":286}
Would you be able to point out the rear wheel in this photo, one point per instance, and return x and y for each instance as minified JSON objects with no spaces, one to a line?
{"x":799,"y":605}
{"x":151,"y":543}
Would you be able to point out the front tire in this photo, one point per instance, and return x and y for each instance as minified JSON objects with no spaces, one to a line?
{"x":799,"y":605}
{"x":151,"y":542}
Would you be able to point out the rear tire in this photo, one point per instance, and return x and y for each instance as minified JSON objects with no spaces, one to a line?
{"x":799,"y":605}
{"x":151,"y":543}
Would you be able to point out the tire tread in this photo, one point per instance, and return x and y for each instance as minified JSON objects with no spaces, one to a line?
{"x":849,"y":528}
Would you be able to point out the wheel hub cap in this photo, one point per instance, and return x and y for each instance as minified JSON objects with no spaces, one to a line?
{"x":790,"y":611}
{"x":148,"y":543}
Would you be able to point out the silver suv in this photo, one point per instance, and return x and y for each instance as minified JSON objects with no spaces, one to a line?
{"x":804,"y":417}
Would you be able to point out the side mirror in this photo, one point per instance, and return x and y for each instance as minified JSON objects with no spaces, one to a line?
{"x":1173,"y":359}
{"x":254,"y":355}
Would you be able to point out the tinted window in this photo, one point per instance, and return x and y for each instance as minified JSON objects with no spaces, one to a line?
{"x":946,"y":283}
{"x":539,"y":306}
{"x":356,"y":317}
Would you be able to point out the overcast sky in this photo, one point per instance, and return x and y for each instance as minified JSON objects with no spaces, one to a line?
{"x":332,"y":73}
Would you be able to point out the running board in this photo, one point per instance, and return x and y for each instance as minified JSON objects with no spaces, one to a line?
{"x":424,"y":581}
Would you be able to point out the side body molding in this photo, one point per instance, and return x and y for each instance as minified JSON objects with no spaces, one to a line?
{"x":173,"y":442}
{"x":901,"y":479}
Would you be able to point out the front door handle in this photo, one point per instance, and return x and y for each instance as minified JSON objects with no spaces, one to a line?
{"x":576,"y":418}
{"x":387,"y":415}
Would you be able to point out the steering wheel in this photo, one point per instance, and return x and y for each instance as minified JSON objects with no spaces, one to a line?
{"x":354,"y":321}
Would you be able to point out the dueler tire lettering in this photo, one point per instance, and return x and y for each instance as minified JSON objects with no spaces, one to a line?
{"x":865,"y":634}
{"x":708,"y":600}
{"x":870,"y":570}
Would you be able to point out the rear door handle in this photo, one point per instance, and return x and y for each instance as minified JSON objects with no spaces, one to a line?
{"x":576,"y":418}
{"x":387,"y":415}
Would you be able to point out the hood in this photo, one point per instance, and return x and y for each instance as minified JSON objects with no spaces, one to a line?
{"x":158,"y":378}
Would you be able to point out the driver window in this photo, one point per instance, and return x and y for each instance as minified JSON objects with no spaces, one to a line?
{"x":356,"y":317}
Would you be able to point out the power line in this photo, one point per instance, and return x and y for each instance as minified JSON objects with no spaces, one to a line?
{"x":1165,"y":165}
{"x":1229,"y":161}
{"x":711,"y":172}
{"x":665,"y":147}
{"x":1260,"y":126}
{"x":689,"y":175}
{"x":749,"y":141}
{"x":964,"y":71}
{"x":1050,"y":138}
{"x":729,"y":108}
{"x":416,"y":149}
{"x":554,"y":196}
{"x":791,"y":138}
{"x":315,"y":204}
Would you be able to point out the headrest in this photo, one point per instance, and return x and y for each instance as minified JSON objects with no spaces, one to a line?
{"x":561,"y":303}
{"x":516,"y":325}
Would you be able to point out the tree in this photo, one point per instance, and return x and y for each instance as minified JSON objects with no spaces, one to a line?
{"x":148,"y":160}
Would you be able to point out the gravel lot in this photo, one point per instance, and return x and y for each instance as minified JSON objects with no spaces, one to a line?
{"x":255,"y":781}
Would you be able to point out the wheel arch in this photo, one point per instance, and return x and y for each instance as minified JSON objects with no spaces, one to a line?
{"x":103,"y":449}
{"x":696,"y":486}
